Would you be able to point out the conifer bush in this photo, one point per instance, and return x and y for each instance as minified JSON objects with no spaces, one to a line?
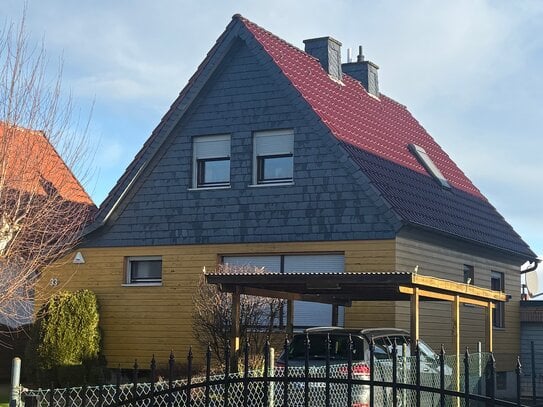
{"x":65,"y":342}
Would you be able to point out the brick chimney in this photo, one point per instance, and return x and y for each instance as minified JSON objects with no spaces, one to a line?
{"x":328,"y":51}
{"x":363,"y":71}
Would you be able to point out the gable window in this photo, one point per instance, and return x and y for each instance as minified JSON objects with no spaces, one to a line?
{"x":423,"y":157}
{"x":273,"y":157}
{"x":211,"y":161}
{"x":144,"y":270}
{"x":469,"y":274}
{"x":497,"y":283}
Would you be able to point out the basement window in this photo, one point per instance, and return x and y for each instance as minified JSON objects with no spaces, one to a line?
{"x":428,"y":164}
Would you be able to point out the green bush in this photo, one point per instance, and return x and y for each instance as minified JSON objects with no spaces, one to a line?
{"x":65,"y":343}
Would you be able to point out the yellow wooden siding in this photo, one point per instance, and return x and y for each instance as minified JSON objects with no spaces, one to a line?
{"x":138,"y":322}
{"x":436,"y":326}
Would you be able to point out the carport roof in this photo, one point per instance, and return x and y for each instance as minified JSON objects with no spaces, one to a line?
{"x":343,"y":288}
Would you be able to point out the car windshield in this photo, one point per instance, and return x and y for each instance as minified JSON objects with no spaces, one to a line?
{"x":339,"y":347}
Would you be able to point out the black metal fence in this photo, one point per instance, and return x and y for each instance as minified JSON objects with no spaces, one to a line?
{"x":396,"y":381}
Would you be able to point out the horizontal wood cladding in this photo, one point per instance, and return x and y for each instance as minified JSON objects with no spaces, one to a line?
{"x":138,"y":322}
{"x":438,"y":259}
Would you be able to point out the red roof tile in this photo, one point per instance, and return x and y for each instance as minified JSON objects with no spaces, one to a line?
{"x":380,"y":126}
{"x":31,"y":164}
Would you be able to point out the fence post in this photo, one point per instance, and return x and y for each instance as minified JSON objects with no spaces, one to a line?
{"x":417,"y":378}
{"x":518,"y":371}
{"x":442,"y":377}
{"x":394,"y":374}
{"x":285,"y":373}
{"x":534,"y":393}
{"x":372,"y":371}
{"x":306,"y":371}
{"x":15,"y":395}
{"x":272,"y":374}
{"x":466,"y":379}
{"x":189,"y":377}
{"x":266,"y":371}
{"x":208,"y":374}
{"x":327,"y":372}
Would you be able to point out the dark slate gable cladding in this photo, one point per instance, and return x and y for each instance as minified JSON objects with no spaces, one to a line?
{"x":420,"y":201}
{"x":323,"y":204}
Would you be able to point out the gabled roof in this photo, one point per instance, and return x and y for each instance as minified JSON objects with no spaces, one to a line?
{"x":30,"y":164}
{"x":374,"y":133}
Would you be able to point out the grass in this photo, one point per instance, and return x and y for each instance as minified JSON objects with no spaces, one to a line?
{"x":4,"y":394}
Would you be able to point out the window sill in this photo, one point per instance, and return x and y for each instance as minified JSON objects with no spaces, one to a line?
{"x":271,"y":184}
{"x":142,"y":285}
{"x":208,"y":188}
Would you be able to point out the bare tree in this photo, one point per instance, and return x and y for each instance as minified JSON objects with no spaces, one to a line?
{"x":212,"y":321}
{"x":43,"y":207}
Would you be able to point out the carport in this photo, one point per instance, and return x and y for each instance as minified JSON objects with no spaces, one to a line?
{"x":344,"y":288}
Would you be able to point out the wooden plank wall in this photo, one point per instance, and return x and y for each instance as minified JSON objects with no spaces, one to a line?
{"x":446,"y":261}
{"x":138,"y":322}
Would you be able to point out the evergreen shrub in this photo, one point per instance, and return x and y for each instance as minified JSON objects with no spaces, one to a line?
{"x":65,"y":345}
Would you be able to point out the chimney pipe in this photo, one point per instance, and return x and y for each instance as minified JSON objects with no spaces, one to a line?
{"x":364,"y":72}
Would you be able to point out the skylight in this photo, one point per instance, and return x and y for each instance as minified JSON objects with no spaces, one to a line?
{"x":426,"y":161}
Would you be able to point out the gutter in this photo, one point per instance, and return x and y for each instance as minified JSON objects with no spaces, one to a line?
{"x":532,"y":266}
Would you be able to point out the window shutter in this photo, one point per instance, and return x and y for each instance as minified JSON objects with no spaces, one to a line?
{"x":212,"y":147}
{"x":274,"y":143}
{"x":307,"y":314}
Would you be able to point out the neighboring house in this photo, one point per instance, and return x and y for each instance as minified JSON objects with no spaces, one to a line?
{"x":531,"y":342}
{"x":38,"y":194}
{"x":291,"y":160}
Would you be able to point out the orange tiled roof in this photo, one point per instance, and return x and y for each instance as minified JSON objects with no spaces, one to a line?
{"x":30,"y":163}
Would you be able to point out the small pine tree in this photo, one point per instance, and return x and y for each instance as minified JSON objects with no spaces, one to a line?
{"x":66,"y":337}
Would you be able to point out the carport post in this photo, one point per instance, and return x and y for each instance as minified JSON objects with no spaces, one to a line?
{"x":415,"y":321}
{"x":335,"y":314}
{"x":456,"y":339}
{"x":235,"y":333}
{"x":290,"y":318}
{"x":489,"y":338}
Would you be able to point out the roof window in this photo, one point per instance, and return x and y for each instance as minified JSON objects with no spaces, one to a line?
{"x":428,"y":164}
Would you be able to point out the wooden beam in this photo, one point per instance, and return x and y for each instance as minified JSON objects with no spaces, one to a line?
{"x":439,"y":284}
{"x":442,"y":297}
{"x":235,"y":333}
{"x":270,"y":293}
{"x":415,"y":314}
{"x":489,"y":328}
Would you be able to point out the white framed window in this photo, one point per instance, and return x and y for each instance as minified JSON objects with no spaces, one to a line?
{"x":211,"y":161}
{"x":143,"y":270}
{"x":273,"y":160}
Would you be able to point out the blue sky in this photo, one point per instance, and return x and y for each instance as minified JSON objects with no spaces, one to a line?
{"x":468,"y":70}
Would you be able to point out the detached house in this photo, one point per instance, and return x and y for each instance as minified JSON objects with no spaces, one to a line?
{"x":293,"y":161}
{"x":42,"y":209}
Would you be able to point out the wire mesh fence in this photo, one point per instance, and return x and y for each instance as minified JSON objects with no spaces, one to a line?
{"x":390,"y":383}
